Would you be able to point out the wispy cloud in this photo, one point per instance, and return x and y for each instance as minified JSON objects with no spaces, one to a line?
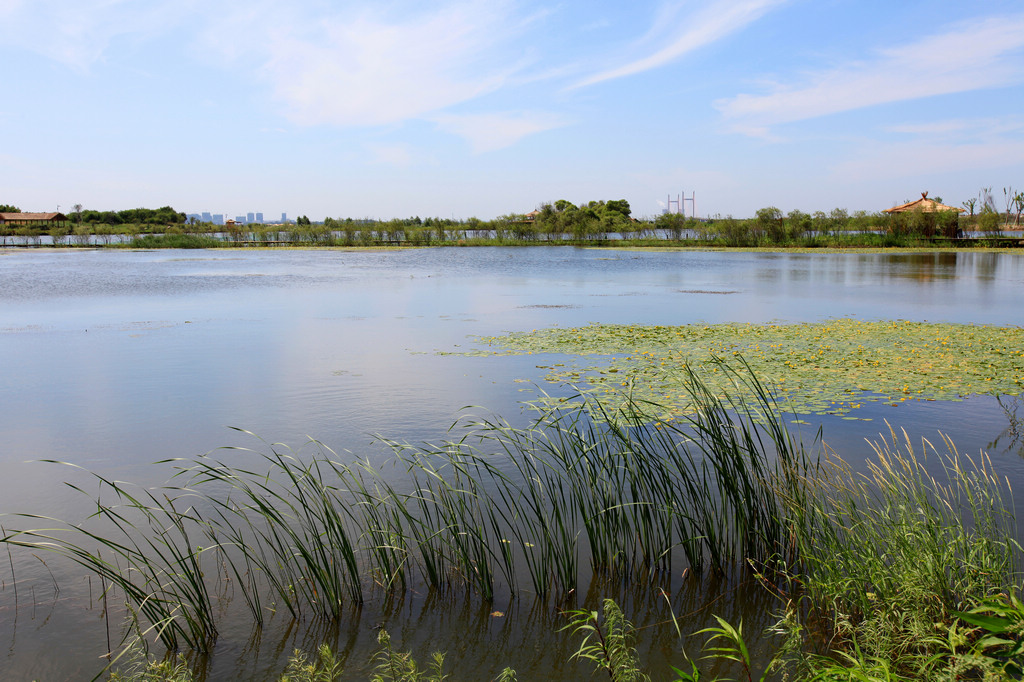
{"x":77,"y":33}
{"x":345,"y":64}
{"x":982,"y":54}
{"x":961,"y":127}
{"x":369,"y":69}
{"x":712,"y":23}
{"x":489,"y":132}
{"x":936,"y":147}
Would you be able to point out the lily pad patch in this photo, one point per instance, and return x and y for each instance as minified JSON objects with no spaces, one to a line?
{"x":830,"y":367}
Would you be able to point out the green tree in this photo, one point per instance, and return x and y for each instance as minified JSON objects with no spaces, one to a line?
{"x":799,"y":223}
{"x":618,"y":206}
{"x":970,"y":204}
{"x":167,"y":216}
{"x":838,"y":219}
{"x":770,"y":223}
{"x":7,"y":208}
{"x":672,"y":223}
{"x":58,"y":233}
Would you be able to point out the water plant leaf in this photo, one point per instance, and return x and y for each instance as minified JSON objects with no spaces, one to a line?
{"x":829,"y":367}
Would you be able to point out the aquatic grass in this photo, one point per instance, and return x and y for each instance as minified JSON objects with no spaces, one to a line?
{"x":291,"y":524}
{"x":879,"y":565}
{"x":309,"y":533}
{"x":142,"y":543}
{"x":629,"y":489}
{"x":889,"y":554}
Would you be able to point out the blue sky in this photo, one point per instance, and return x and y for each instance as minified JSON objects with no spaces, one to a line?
{"x":374,"y":108}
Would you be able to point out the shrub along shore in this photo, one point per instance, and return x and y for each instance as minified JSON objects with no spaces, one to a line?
{"x":594,"y":224}
{"x":896,"y":571}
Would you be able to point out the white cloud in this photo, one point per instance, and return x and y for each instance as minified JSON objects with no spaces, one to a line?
{"x":931,"y":127}
{"x":972,"y":56}
{"x":960,"y":127}
{"x":366,"y":63}
{"x":489,"y":132}
{"x":714,"y":22}
{"x":368,"y":69}
{"x":77,"y":33}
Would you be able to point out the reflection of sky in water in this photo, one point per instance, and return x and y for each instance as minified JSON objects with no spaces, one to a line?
{"x":121,"y":358}
{"x":115,"y":359}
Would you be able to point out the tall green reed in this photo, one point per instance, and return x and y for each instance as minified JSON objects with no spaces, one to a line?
{"x":889,"y":554}
{"x":495,"y":507}
{"x":143,"y":543}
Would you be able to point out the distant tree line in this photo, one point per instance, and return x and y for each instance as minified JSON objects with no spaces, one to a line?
{"x":164,"y":215}
{"x":558,"y":222}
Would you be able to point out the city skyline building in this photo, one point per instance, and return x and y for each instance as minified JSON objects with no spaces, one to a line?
{"x":250,"y":218}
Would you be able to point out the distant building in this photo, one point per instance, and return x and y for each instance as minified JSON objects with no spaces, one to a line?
{"x":924,"y":205}
{"x":259,"y":217}
{"x":218,"y":219}
{"x":250,"y":218}
{"x":33,"y":219}
{"x":928,"y":208}
{"x":207,"y":218}
{"x":284,"y":217}
{"x":240,"y":219}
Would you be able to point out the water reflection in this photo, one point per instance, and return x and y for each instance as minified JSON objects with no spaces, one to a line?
{"x":117,"y":359}
{"x":481,"y":639}
{"x":1011,"y":439}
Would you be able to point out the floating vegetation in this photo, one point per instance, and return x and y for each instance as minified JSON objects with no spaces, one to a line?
{"x":547,"y":306}
{"x":704,"y":291}
{"x":828,"y":367}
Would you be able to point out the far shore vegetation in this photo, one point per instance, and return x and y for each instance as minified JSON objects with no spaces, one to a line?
{"x":595,"y":223}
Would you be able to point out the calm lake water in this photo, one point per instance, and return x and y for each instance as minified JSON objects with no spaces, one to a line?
{"x":116,"y":359}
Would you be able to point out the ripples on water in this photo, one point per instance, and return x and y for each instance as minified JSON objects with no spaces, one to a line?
{"x":115,"y":359}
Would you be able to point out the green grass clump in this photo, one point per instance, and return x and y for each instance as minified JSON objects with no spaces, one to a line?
{"x":174,"y":669}
{"x":325,"y":667}
{"x":174,"y":241}
{"x":496,"y":507}
{"x":890,"y":556}
{"x":608,"y":642}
